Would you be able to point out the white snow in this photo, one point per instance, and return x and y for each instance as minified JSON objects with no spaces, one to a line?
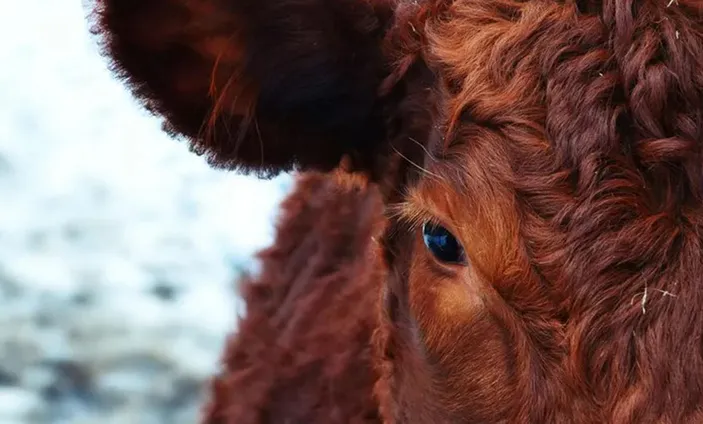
{"x":119,"y":248}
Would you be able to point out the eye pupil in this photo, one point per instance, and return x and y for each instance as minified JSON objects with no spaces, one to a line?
{"x":442,"y":244}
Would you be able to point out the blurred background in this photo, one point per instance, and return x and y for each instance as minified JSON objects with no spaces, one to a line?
{"x":119,"y":249}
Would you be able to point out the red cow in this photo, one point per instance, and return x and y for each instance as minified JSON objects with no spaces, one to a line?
{"x":498,"y":216}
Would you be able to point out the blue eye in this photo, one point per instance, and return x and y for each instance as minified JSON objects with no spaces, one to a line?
{"x":442,"y":244}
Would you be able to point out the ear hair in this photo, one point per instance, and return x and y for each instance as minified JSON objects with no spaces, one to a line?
{"x":255,"y":85}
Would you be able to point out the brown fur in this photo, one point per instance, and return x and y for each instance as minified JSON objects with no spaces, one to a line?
{"x":302,"y":353}
{"x":559,"y":141}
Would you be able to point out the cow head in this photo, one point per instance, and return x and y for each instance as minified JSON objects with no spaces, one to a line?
{"x":540,"y":162}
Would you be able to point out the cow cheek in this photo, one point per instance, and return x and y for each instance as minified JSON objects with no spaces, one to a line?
{"x":466,"y":352}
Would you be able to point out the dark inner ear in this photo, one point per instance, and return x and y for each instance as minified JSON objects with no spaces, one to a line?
{"x":255,"y":85}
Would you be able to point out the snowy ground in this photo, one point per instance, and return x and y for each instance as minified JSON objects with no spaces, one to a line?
{"x":118,"y":248}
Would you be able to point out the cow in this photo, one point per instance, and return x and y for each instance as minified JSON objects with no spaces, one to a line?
{"x":497,"y":215}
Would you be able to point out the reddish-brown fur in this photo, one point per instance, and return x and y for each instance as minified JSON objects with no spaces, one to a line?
{"x":302,"y":353}
{"x":558,"y":140}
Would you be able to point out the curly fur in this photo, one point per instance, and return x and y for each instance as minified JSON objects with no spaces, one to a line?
{"x":558,"y":140}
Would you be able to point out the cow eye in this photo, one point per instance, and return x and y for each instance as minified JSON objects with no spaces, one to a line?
{"x":442,"y":244}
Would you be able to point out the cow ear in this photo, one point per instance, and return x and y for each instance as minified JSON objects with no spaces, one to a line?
{"x":255,"y":85}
